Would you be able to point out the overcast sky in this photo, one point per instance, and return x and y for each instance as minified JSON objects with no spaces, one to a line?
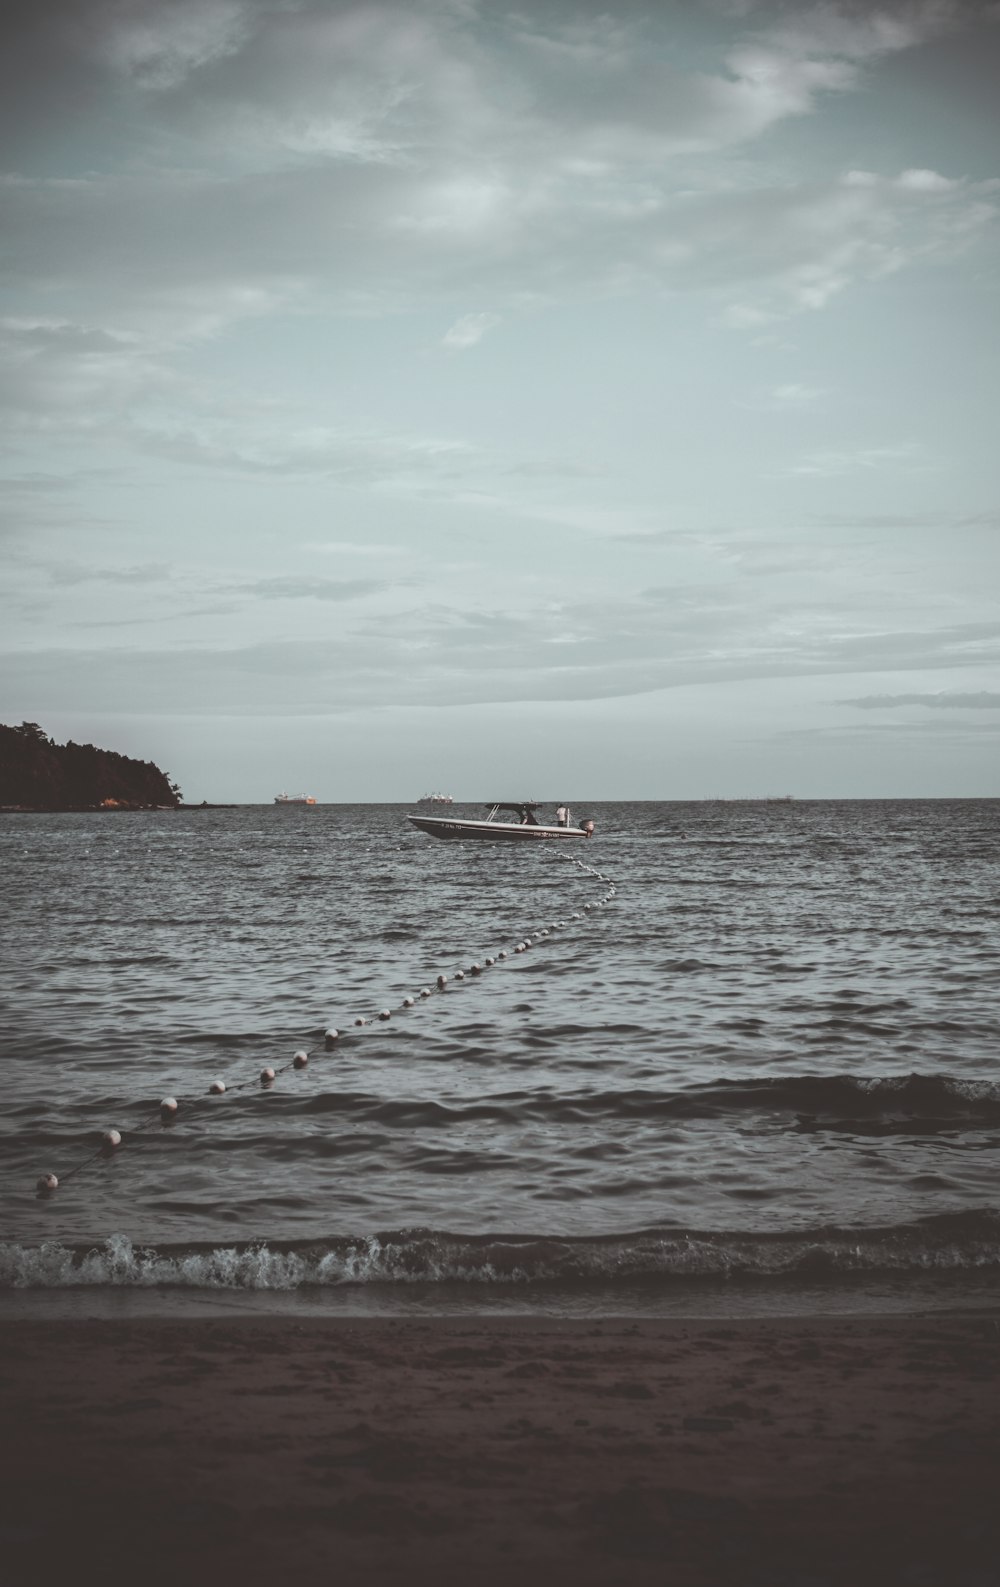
{"x":519,"y":401}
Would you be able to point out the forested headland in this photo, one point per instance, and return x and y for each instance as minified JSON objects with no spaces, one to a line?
{"x":38,"y":774}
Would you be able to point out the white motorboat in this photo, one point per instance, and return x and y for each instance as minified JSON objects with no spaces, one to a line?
{"x":525,"y":827}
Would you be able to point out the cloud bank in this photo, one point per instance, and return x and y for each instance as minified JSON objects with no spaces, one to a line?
{"x":984,"y":700}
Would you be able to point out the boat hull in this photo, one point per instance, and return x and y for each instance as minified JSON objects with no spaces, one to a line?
{"x":492,"y":831}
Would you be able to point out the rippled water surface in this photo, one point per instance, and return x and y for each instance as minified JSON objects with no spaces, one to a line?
{"x":773,"y":1048}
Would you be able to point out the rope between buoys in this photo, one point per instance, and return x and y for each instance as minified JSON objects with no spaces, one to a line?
{"x":166,"y":1111}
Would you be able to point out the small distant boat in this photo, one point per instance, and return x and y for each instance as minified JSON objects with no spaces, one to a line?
{"x":494,"y":828}
{"x":435,"y":799}
{"x":294,"y":799}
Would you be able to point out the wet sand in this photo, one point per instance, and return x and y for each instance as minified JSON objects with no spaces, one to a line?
{"x":780,"y":1453}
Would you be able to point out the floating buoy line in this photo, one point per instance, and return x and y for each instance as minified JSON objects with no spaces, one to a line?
{"x":167,"y":1111}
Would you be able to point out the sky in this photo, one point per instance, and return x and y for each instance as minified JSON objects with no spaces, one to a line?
{"x":546,"y":401}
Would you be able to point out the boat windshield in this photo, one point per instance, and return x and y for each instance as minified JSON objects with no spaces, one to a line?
{"x":525,"y":812}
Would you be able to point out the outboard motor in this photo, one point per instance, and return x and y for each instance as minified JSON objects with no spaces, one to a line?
{"x":588,"y":827}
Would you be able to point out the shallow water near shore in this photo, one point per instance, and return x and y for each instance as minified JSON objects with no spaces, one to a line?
{"x":766,"y":1059}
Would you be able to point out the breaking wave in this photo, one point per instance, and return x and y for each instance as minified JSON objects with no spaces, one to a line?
{"x":960,"y":1242}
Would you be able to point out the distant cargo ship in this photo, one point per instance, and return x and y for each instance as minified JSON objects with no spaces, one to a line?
{"x":294,"y":799}
{"x":435,"y":799}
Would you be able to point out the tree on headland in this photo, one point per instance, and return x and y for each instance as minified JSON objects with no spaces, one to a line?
{"x":38,"y":774}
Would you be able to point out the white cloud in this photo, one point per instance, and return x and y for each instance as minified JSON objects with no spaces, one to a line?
{"x":850,"y":33}
{"x":351,"y":548}
{"x":818,"y":240}
{"x":788,"y":397}
{"x":832,"y":464}
{"x":442,"y":654}
{"x":369,"y":157}
{"x":925,"y":182}
{"x":184,"y":258}
{"x":273,"y":443}
{"x":983,"y":700}
{"x":292,"y":587}
{"x":73,"y":573}
{"x":394,"y":80}
{"x":161,"y":46}
{"x":468,"y":330}
{"x":795,"y":395}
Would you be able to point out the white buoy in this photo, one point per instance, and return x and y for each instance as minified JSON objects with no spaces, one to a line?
{"x":475,"y":969}
{"x":488,"y":962}
{"x":111,"y":1139}
{"x":385,"y":1013}
{"x":408,"y":1002}
{"x":425,"y":991}
{"x":266,"y":1075}
{"x":459,"y":975}
{"x":168,"y":1109}
{"x":331,"y":1036}
{"x":301,"y":1059}
{"x":442,"y":982}
{"x":360,"y":1021}
{"x":217,"y":1087}
{"x":46,"y":1183}
{"x":502,"y":954}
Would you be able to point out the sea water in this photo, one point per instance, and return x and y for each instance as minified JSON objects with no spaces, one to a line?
{"x":750,"y":1046}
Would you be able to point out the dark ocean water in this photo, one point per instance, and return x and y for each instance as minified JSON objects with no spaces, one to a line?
{"x":766,"y":1053}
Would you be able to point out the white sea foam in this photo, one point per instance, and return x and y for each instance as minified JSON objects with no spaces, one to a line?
{"x":423,"y":1256}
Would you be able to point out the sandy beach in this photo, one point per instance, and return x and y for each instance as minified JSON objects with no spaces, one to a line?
{"x":358,"y":1450}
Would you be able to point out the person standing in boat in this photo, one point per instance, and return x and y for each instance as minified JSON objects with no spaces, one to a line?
{"x":562,"y":816}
